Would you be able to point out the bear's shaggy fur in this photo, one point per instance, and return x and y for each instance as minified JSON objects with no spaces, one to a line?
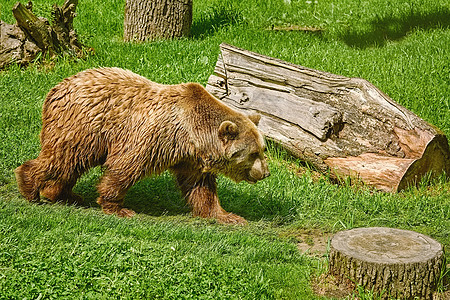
{"x":135,"y":128}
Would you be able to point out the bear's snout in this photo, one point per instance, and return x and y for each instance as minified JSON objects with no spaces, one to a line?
{"x":258,"y":171}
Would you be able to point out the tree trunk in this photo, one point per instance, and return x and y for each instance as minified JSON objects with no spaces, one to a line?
{"x":32,"y":35}
{"x":336,"y":123}
{"x":157,"y":19}
{"x":396,"y":263}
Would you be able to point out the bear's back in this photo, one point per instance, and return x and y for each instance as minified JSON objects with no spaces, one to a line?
{"x":97,"y":89}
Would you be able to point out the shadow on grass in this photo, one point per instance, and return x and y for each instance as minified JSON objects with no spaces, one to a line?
{"x":387,"y":29}
{"x":248,"y":203}
{"x":214,"y":18}
{"x":155,"y":196}
{"x":160,"y":196}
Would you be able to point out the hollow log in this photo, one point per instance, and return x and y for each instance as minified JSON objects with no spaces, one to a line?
{"x":21,"y":43}
{"x":394,"y":263}
{"x":342,"y":126}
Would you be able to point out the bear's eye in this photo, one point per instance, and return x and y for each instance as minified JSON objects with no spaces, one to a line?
{"x":254,"y":155}
{"x":236,"y":154}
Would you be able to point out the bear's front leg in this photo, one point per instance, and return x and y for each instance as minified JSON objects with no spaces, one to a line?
{"x":200,"y":191}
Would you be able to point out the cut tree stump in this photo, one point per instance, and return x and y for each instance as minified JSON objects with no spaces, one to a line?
{"x":345,"y":125}
{"x":157,"y":19}
{"x":395,"y":263}
{"x":21,"y":43}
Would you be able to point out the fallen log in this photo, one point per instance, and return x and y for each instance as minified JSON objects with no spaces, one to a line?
{"x":32,"y":36}
{"x":345,"y":125}
{"x":393,"y":263}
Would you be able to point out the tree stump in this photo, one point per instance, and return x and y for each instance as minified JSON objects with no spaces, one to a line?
{"x":157,"y":19}
{"x":345,"y":125}
{"x":395,"y":263}
{"x":21,"y":43}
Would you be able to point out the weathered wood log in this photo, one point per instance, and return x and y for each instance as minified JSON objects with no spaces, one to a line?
{"x":345,"y":125}
{"x":21,"y":43}
{"x":15,"y":47}
{"x":394,"y":263}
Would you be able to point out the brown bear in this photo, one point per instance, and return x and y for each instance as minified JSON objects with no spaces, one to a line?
{"x":135,"y":128}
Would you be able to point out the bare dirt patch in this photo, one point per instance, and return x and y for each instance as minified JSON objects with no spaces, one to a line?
{"x":313,"y":242}
{"x":294,"y":27}
{"x":332,"y":287}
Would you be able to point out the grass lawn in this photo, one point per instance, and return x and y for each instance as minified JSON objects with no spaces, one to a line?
{"x":57,"y":251}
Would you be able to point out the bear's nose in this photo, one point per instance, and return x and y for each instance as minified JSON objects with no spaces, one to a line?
{"x":266,"y":174}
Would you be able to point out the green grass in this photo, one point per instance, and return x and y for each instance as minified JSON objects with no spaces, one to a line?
{"x":62,"y":252}
{"x":65,"y":252}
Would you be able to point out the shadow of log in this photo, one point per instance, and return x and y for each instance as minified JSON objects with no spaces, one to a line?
{"x":393,"y":28}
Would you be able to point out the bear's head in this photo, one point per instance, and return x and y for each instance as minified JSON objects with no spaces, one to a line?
{"x":244,"y":147}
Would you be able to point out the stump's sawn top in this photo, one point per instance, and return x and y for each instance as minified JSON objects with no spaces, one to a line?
{"x":386,"y":245}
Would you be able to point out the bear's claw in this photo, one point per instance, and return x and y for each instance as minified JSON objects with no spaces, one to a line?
{"x":230,"y":218}
{"x":126,"y":213}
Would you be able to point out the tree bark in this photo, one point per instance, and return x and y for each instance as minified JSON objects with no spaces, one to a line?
{"x":23,"y":42}
{"x":336,"y":123}
{"x":158,"y":19}
{"x":395,"y":263}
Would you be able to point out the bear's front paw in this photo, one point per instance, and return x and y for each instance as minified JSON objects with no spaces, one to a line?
{"x":114,"y":209}
{"x":230,"y":218}
{"x":125,"y":213}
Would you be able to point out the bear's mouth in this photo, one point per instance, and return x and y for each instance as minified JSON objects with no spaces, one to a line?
{"x":251,"y":180}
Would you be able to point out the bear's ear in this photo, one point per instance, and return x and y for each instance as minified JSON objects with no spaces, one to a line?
{"x":255,"y":118}
{"x":228,"y":131}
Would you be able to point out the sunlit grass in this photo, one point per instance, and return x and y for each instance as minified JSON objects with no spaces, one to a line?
{"x":56,"y":251}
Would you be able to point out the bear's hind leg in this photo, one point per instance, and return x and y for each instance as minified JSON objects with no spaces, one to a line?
{"x":61,"y":191}
{"x":27,"y":182}
{"x":38,"y":176}
{"x":112,"y":189}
